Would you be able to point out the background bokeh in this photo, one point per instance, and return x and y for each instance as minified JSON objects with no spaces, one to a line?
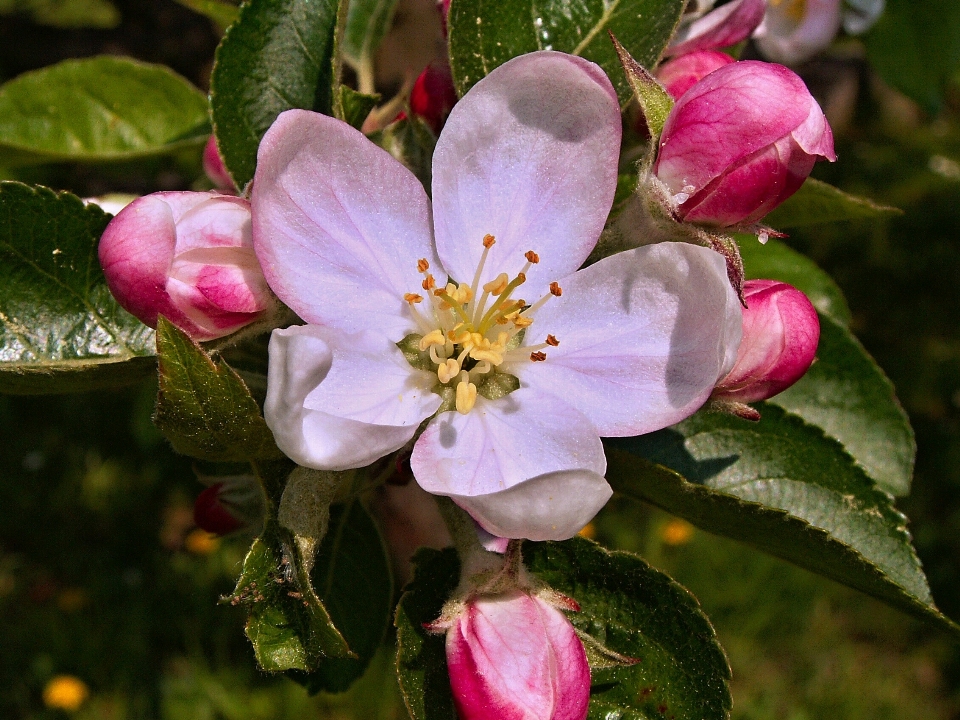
{"x":104,"y":579}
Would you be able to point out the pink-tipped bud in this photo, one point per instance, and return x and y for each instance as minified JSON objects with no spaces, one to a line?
{"x":189,"y":257}
{"x":214,"y":168}
{"x":723,"y":27}
{"x":516,"y":657}
{"x":210,"y":514}
{"x":780,"y":335}
{"x":433,"y":95}
{"x":682,"y":73}
{"x":739,"y":143}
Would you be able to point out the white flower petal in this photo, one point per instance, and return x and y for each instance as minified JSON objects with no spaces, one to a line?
{"x":370,"y":381}
{"x":300,"y":359}
{"x":555,"y":506}
{"x":507,"y":443}
{"x":644,"y":336}
{"x":338,"y":225}
{"x":529,"y":155}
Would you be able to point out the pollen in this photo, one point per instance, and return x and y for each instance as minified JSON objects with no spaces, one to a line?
{"x":531,"y":257}
{"x":432,"y":338}
{"x":555,"y":289}
{"x":448,"y":370}
{"x":413,"y":298}
{"x":423,"y":265}
{"x":552,"y":341}
{"x":538,"y":356}
{"x":488,"y":241}
{"x":466,"y":395}
{"x":497,"y":285}
{"x":428,"y":283}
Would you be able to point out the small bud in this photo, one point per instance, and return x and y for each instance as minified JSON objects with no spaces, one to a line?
{"x":682,"y":73}
{"x":739,"y":143}
{"x":228,"y":504}
{"x":727,"y":25}
{"x":214,"y":168}
{"x":210,"y":514}
{"x":515,"y":655}
{"x":780,"y":334}
{"x":189,"y":257}
{"x":433,"y":95}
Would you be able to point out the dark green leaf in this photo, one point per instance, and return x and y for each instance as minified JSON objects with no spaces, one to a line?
{"x":278,"y":55}
{"x":356,"y":105}
{"x":83,"y":110}
{"x":65,"y":13}
{"x":782,"y":486}
{"x":639,"y":612}
{"x":776,"y":261}
{"x":203,"y":407}
{"x":847,"y":396}
{"x":411,"y":142}
{"x":484,"y":35}
{"x":367,"y":23}
{"x":421,"y":658}
{"x":817,"y":202}
{"x":222,"y":12}
{"x":60,"y":328}
{"x":353,"y":579}
{"x":915,"y":46}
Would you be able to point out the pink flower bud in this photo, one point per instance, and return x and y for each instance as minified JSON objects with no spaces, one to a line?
{"x":740,"y":142}
{"x":516,"y":657}
{"x":189,"y":257}
{"x":211,"y":515}
{"x":780,"y":335}
{"x":723,"y":27}
{"x":433,"y":95}
{"x":214,"y":168}
{"x":682,"y":73}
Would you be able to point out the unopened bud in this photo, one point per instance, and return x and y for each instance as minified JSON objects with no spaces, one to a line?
{"x":682,"y":73}
{"x":780,"y":335}
{"x":189,"y":257}
{"x":214,"y":168}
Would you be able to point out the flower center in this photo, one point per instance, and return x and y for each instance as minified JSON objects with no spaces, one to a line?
{"x":469,"y":331}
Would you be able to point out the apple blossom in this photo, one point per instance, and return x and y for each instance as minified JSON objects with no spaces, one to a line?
{"x":780,"y":335}
{"x":515,"y":656}
{"x":725,"y":26}
{"x":795,"y":30}
{"x":682,"y":73}
{"x":189,"y":257}
{"x":517,"y":392}
{"x":739,"y":143}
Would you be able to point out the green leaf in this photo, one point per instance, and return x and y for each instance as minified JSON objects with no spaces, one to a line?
{"x":484,"y":35}
{"x":367,"y":23}
{"x":60,"y":328}
{"x":278,"y":55}
{"x":637,"y":611}
{"x":784,"y":487}
{"x":916,"y":46}
{"x":353,"y":579}
{"x":846,"y":394}
{"x":356,"y":105}
{"x":776,"y":261}
{"x":421,"y":657}
{"x":411,"y":142}
{"x":203,"y":407}
{"x":288,"y":626}
{"x":221,"y":12}
{"x":82,"y":111}
{"x":817,"y":202}
{"x":655,"y":103}
{"x":65,"y":13}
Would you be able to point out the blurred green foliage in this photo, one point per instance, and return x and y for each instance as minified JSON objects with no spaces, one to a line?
{"x":103,"y":576}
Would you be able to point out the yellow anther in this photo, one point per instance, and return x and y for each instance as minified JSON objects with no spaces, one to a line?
{"x":423,"y":265}
{"x":521,"y":321}
{"x":497,"y":285}
{"x":538,"y":356}
{"x":551,"y":340}
{"x":555,"y":289}
{"x":459,"y":295}
{"x":413,"y":298}
{"x":488,"y":240}
{"x":466,"y":395}
{"x":531,"y":257}
{"x":428,"y":283}
{"x":448,"y":370}
{"x":434,"y":337}
{"x":494,"y":356}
